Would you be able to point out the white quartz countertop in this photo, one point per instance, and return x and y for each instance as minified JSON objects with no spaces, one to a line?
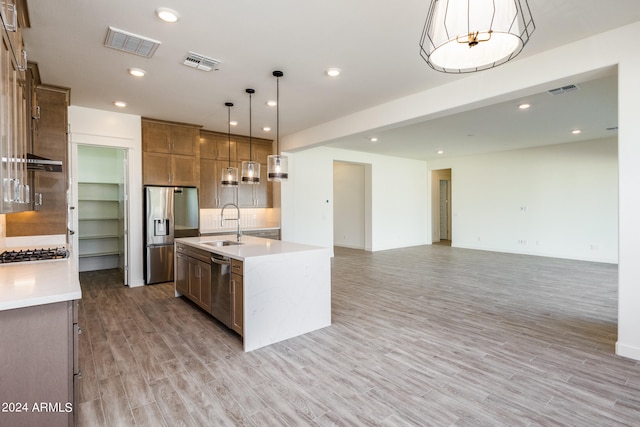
{"x":25,"y":284}
{"x":250,"y":246}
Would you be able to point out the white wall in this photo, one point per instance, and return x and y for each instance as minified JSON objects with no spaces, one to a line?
{"x":399,"y":207}
{"x":105,"y":128}
{"x":559,"y":201}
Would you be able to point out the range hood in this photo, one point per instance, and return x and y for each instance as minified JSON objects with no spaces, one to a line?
{"x":41,"y":164}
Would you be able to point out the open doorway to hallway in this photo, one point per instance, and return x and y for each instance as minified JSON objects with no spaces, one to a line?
{"x":352,"y":205}
{"x":441,"y":227}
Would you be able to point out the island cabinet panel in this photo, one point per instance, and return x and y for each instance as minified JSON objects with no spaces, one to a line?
{"x":182,"y":273}
{"x":200,"y":283}
{"x":171,"y":153}
{"x":193,"y":275}
{"x":237,"y":296}
{"x":38,"y":360}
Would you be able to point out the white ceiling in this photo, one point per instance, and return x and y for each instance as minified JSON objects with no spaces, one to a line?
{"x":374,"y":42}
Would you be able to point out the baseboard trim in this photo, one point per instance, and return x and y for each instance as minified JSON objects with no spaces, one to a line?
{"x":627,"y":351}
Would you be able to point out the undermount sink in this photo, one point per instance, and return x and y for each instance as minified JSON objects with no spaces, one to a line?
{"x":222,"y":243}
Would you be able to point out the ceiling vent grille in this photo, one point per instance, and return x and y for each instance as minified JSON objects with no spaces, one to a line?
{"x":564,"y":89}
{"x":132,"y":43}
{"x":201,"y":62}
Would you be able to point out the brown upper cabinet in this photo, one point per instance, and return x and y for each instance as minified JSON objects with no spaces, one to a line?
{"x":216,"y":146}
{"x":172,"y":138}
{"x":171,"y":153}
{"x":216,"y":154}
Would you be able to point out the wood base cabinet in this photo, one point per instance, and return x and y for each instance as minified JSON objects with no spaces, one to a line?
{"x":39,"y":365}
{"x":193,"y":275}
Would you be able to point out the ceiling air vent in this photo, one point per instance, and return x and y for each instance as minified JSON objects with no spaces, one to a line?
{"x":132,"y":43}
{"x":201,"y":62}
{"x":563,"y":90}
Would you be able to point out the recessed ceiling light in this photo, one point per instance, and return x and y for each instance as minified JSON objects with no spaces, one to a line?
{"x":266,"y":129}
{"x":576,"y":131}
{"x":233,"y":123}
{"x":167,"y":15}
{"x":333,"y":72}
{"x":272,"y":103}
{"x":120,"y":104}
{"x":373,"y":139}
{"x":137,"y":72}
{"x":524,"y":106}
{"x":440,"y":151}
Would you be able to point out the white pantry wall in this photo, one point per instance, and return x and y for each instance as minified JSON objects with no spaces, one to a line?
{"x":399,"y":205}
{"x":558,"y":201}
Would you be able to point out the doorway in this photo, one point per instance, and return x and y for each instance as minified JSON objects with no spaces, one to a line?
{"x":352,"y":205}
{"x":441,"y":206}
{"x":101,"y":197}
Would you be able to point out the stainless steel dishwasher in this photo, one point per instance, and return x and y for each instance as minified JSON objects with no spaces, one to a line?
{"x":221,"y":288}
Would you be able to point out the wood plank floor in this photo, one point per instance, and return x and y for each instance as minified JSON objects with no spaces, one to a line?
{"x":423,"y":336}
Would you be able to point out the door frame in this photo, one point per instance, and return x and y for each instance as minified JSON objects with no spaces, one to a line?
{"x":438,"y":175}
{"x":73,"y":200}
{"x":367,"y":199}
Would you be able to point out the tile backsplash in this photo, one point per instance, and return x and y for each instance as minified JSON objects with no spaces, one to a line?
{"x":250,"y":218}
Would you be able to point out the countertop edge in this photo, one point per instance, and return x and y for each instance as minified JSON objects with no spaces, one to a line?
{"x":32,"y":302}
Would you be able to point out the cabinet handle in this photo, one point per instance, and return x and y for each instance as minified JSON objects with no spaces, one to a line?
{"x":79,"y":375}
{"x":79,"y":330}
{"x":23,"y":66}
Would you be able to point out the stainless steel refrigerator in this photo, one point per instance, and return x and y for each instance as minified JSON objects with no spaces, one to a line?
{"x":170,"y":212}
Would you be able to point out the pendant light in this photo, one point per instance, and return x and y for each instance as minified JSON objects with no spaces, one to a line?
{"x":464,"y":36}
{"x":277,"y":165}
{"x":250,"y":169}
{"x":229,"y":174}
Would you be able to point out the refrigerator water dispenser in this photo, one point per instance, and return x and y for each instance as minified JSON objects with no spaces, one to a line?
{"x":161,"y":227}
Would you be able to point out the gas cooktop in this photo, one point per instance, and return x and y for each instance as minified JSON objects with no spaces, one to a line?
{"x":33,"y":255}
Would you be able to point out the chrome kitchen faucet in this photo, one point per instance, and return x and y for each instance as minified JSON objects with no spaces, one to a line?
{"x":239,"y":233}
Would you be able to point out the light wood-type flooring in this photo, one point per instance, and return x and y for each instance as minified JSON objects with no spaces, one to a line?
{"x":422,"y":336}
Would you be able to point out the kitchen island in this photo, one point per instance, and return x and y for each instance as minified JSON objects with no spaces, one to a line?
{"x":286,"y":287}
